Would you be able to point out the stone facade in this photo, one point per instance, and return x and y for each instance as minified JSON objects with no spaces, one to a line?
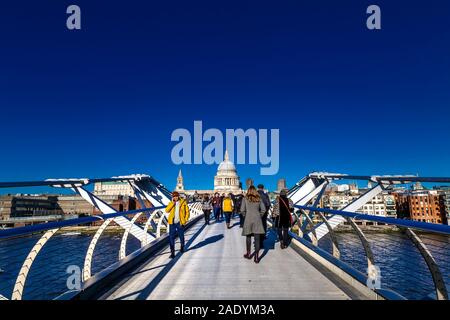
{"x":226,"y":179}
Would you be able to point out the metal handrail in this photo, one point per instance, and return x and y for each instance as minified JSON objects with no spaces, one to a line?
{"x":20,"y":231}
{"x":394,"y":179}
{"x":424,"y":226}
{"x":405,"y":226}
{"x":83,"y":181}
{"x":51,"y":228}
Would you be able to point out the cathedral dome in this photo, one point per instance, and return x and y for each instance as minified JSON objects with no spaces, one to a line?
{"x":226,"y":164}
{"x":226,"y":179}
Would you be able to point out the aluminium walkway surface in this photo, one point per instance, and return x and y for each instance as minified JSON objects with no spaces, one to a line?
{"x":213,"y":268}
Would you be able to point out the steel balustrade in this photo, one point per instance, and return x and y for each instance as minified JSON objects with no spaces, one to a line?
{"x":143,"y":185}
{"x":49,"y":231}
{"x":329,"y":219}
{"x":404,"y":225}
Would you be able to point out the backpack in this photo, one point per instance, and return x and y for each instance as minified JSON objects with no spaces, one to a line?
{"x":227,"y":205}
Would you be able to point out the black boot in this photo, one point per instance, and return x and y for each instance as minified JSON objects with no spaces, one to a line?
{"x":256,"y":259}
{"x":247,"y":255}
{"x":182,"y":249}
{"x":172,"y":254}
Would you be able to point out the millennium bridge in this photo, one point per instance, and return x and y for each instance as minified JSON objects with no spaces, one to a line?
{"x":127,"y":256}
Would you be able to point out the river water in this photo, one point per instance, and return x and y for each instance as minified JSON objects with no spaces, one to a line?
{"x":402,"y":267}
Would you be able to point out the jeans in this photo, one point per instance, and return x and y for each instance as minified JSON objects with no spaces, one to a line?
{"x":174,"y":229}
{"x":257,"y":242}
{"x":228,"y":216}
{"x":216,"y":213}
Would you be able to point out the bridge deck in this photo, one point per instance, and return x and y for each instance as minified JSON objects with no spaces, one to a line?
{"x":213,"y":268}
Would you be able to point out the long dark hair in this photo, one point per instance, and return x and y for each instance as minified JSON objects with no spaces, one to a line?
{"x":252,"y":194}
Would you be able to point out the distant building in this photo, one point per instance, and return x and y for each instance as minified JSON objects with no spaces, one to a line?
{"x":389,"y":201}
{"x":353,"y":188}
{"x":446,"y":199}
{"x":75,"y":205}
{"x":20,"y":210}
{"x":422,"y":205}
{"x":402,"y":204}
{"x":418,"y":186}
{"x":343,"y":187}
{"x":180,"y":182}
{"x":119,"y":203}
{"x":29,"y":206}
{"x":281,"y":184}
{"x":337,"y":200}
{"x":226,"y":180}
{"x":332,"y":188}
{"x":113,"y":188}
{"x":381,"y":205}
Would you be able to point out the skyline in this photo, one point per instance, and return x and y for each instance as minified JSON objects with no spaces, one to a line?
{"x":103,"y":101}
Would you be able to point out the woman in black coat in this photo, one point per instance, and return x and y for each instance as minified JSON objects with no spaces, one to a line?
{"x":282,"y":210}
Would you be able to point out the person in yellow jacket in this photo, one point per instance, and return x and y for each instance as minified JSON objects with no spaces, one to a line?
{"x":178,"y":211}
{"x":227,"y":207}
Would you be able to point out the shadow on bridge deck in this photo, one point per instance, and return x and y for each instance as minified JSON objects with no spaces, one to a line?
{"x":213,"y":268}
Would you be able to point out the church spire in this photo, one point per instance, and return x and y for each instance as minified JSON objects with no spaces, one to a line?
{"x":180,"y":182}
{"x":227,"y":158}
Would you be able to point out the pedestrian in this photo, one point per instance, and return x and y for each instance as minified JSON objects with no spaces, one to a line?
{"x":178,"y":211}
{"x":206,"y":207}
{"x":217,"y":206}
{"x":233,"y":198}
{"x":252,"y":208}
{"x":228,"y":207}
{"x":221,"y":206}
{"x":237,"y":206}
{"x":265,"y":198}
{"x":282,"y":209}
{"x":195,"y":197}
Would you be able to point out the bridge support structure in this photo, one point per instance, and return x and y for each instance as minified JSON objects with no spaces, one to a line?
{"x":306,"y":190}
{"x":145,"y":187}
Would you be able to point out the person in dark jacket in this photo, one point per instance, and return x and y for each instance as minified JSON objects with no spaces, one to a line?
{"x":206,"y":207}
{"x":252,"y":208}
{"x":221,"y":206}
{"x":217,"y":206}
{"x":233,"y":198}
{"x":238,"y":201}
{"x":265,"y":199}
{"x":282,"y":215}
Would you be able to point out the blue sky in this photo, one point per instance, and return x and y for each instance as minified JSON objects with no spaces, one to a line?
{"x":104,"y":100}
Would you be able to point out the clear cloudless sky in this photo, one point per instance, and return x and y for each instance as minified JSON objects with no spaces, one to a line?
{"x":104,"y":100}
